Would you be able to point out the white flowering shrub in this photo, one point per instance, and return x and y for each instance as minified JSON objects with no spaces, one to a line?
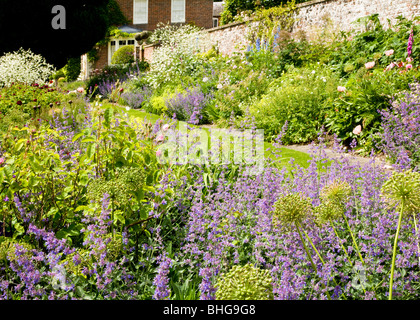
{"x":177,"y":55}
{"x":24,"y":66}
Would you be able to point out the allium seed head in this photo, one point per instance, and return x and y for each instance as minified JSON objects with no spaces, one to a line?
{"x":403,"y":188}
{"x":292,"y":208}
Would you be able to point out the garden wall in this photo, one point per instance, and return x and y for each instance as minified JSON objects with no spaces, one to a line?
{"x":314,"y":14}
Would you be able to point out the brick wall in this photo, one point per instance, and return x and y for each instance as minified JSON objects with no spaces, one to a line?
{"x":199,"y":12}
{"x":103,"y":58}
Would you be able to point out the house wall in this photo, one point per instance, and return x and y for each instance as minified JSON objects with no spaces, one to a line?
{"x":198,"y":12}
{"x":103,"y":58}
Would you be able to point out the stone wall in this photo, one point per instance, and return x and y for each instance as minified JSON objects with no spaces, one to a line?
{"x":230,"y":38}
{"x":342,"y":13}
{"x":313,"y":15}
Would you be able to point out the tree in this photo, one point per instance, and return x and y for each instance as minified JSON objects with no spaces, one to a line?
{"x":29,"y":24}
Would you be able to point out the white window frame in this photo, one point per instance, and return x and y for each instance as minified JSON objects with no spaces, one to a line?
{"x":117,"y":45}
{"x":215,"y":22}
{"x":172,"y":13}
{"x":136,"y":21}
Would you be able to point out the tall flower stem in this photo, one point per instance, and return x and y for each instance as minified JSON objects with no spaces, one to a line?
{"x":354,"y":240}
{"x":417,"y":238}
{"x":317,"y":252}
{"x":309,"y":255}
{"x":394,"y":252}
{"x":342,"y":246}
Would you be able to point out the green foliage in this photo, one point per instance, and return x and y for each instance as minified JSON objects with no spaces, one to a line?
{"x":245,"y":283}
{"x":365,"y":94}
{"x":271,"y":20}
{"x":176,"y":58}
{"x":301,"y":98}
{"x":26,"y":97}
{"x":123,"y":55}
{"x":15,"y":117}
{"x":371,"y":43}
{"x":126,"y":183}
{"x":72,"y":69}
{"x":8,"y":249}
{"x":234,"y":8}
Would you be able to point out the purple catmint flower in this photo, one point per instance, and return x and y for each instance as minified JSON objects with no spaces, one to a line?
{"x":161,"y":281}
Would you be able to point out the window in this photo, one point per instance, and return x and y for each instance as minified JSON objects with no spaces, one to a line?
{"x":178,"y":11}
{"x":215,"y":22}
{"x":140,"y":11}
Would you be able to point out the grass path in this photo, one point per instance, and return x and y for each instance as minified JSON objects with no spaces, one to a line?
{"x":286,"y":154}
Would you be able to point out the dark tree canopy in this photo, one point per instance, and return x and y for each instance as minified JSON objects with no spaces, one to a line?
{"x":27,"y":24}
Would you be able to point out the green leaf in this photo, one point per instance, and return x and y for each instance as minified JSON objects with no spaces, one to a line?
{"x":108,"y":116}
{"x":77,"y":136}
{"x":19,"y":229}
{"x":90,"y":150}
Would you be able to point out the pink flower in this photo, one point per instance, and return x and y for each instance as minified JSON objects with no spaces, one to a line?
{"x":80,"y":89}
{"x":409,"y":59}
{"x":370,"y":65}
{"x":357,"y":130}
{"x":389,"y":52}
{"x":391,"y":65}
{"x":408,"y":66}
{"x":165,"y":127}
{"x":160,"y":138}
{"x":341,"y":89}
{"x":158,"y":153}
{"x":1,"y":160}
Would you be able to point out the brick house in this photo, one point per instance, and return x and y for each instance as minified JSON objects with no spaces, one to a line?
{"x":145,"y":15}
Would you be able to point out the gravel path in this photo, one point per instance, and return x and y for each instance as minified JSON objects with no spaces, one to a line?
{"x":353,"y":159}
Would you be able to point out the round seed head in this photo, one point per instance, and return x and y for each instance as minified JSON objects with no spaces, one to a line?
{"x":245,"y":283}
{"x":292,"y":208}
{"x":338,"y":191}
{"x":403,"y":188}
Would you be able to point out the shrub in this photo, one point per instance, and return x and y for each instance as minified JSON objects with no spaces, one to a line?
{"x":400,"y":136}
{"x":374,"y":43}
{"x":361,"y":102}
{"x":188,"y":104}
{"x":110,"y":74}
{"x":300,"y":97}
{"x":24,"y":66}
{"x":123,"y":55}
{"x":72,"y":69}
{"x":136,"y":99}
{"x":176,"y":56}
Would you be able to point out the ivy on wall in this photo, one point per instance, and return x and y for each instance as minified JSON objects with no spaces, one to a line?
{"x":117,"y":18}
{"x":234,"y":10}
